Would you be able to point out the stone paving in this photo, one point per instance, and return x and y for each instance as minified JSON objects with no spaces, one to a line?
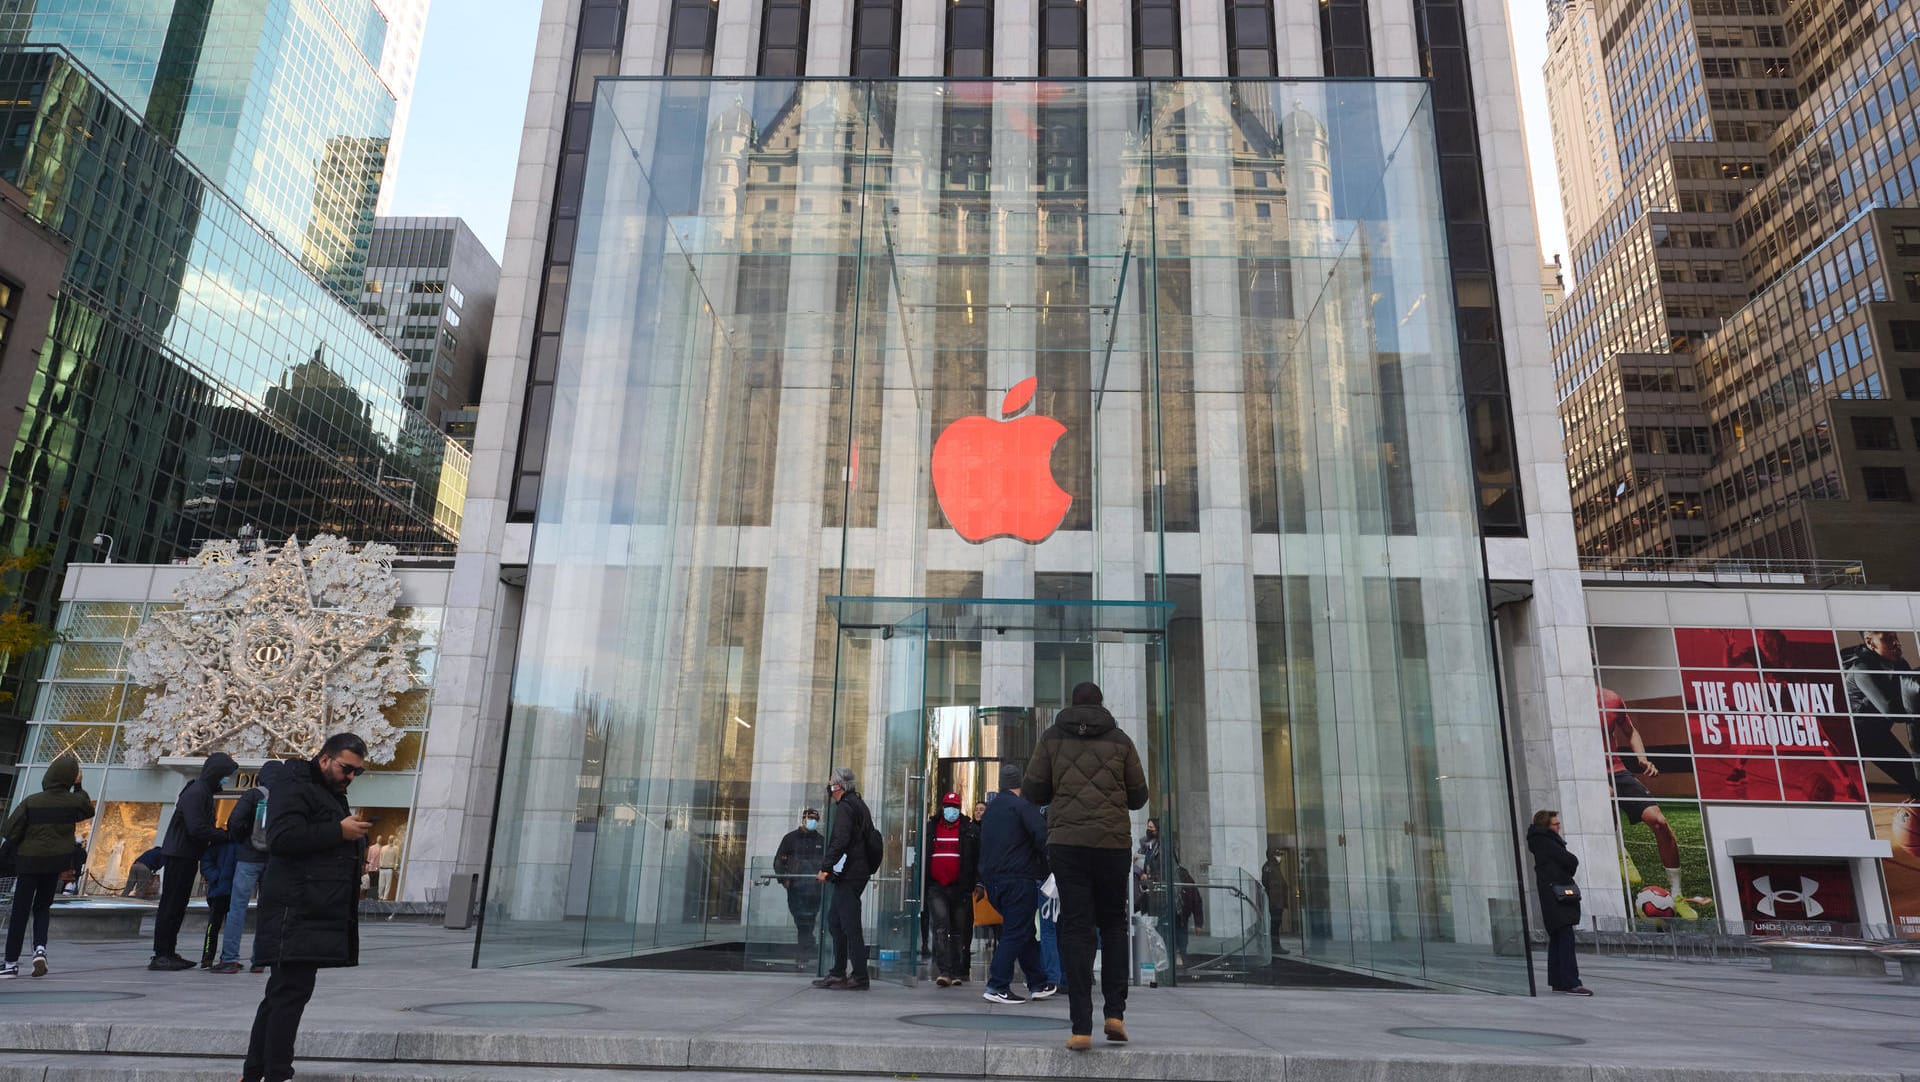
{"x":414,"y":1011}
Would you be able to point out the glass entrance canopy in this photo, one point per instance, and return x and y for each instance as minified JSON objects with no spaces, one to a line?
{"x":1151,"y":383}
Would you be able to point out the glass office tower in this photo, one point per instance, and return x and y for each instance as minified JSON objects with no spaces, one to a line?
{"x":278,"y":102}
{"x":885,"y":412}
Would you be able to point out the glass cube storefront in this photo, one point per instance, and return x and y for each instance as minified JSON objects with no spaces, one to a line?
{"x":885,"y":412}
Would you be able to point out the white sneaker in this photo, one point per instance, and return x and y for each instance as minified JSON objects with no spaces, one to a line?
{"x":9,"y":971}
{"x":39,"y":961}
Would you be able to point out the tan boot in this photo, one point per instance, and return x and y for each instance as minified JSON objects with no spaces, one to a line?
{"x":1116,"y":1031}
{"x":1079,"y":1042}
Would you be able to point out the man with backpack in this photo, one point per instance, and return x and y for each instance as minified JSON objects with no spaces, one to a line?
{"x":852,"y":856}
{"x":247,"y":835}
{"x":191,"y":833}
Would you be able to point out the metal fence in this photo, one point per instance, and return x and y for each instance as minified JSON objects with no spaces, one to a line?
{"x":1823,"y":574}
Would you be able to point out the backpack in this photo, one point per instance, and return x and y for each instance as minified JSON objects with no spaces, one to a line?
{"x":257,"y":837}
{"x":876,"y":847}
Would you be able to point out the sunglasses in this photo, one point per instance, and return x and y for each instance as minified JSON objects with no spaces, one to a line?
{"x":351,"y":771}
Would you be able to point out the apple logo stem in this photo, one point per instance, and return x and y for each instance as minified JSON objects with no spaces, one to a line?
{"x":994,"y":478}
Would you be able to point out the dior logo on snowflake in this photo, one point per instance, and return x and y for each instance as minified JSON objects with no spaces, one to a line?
{"x":270,"y":652}
{"x":1770,"y":898}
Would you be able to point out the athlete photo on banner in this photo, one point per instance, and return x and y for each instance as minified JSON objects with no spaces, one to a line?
{"x":1899,"y":825}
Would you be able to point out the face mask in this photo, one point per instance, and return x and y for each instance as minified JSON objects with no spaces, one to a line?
{"x":813,"y":824}
{"x":951,"y":814}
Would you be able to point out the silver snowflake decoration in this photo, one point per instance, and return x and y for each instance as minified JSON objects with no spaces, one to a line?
{"x":270,"y":652}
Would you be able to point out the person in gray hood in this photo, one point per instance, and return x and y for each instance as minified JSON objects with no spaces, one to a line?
{"x":1087,"y":774}
{"x":192,"y":830}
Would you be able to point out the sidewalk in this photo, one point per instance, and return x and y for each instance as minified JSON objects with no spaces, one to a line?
{"x":414,"y":1011}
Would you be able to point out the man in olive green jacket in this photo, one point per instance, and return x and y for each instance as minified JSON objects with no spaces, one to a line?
{"x":40,"y":833}
{"x":1087,"y":774}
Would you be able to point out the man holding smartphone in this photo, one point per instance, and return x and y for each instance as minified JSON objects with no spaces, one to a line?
{"x":309,"y":907}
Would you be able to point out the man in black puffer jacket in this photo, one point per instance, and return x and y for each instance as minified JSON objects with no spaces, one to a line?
{"x":309,"y":904}
{"x":844,"y":863}
{"x":189,"y":834}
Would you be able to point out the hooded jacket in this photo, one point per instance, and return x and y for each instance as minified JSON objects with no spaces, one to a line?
{"x":1087,"y":774}
{"x":1553,"y":864}
{"x":240,"y":821}
{"x":41,"y":826}
{"x":192,"y":828}
{"x":1878,"y":685}
{"x":310,"y":897}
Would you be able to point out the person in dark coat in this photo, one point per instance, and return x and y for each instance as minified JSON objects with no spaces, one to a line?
{"x":217,"y":866}
{"x":795,"y":864}
{"x":309,"y":900}
{"x":40,"y":832}
{"x":952,"y":871}
{"x":189,"y":835}
{"x":140,"y":877}
{"x":845,"y":864}
{"x":1554,"y":866}
{"x":1013,"y":864}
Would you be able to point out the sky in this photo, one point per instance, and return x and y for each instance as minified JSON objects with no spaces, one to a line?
{"x":470,"y":98}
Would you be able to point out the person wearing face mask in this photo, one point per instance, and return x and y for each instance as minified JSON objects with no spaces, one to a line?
{"x":794,"y":864}
{"x":953,"y":869}
{"x":189,"y":835}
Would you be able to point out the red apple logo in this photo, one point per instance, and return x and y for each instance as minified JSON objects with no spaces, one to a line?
{"x":995,"y":478}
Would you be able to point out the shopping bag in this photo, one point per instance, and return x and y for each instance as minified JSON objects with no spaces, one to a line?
{"x":983,"y":911}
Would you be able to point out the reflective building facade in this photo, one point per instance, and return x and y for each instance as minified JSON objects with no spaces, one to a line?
{"x":195,"y":377}
{"x":280,"y":103}
{"x":853,"y":419}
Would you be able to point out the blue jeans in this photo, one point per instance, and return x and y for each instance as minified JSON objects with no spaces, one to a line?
{"x":246,"y":876}
{"x":1017,"y":900}
{"x":1050,"y":951}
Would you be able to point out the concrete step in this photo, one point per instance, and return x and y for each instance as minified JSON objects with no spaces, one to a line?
{"x":98,"y":1068}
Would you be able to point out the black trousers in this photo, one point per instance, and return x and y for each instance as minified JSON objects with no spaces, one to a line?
{"x":843,"y":924}
{"x":950,"y":920}
{"x":33,"y":895}
{"x":803,"y":904}
{"x":276,"y":1025}
{"x":216,"y":920}
{"x":176,"y":889}
{"x":1095,"y":892}
{"x":1563,"y":966}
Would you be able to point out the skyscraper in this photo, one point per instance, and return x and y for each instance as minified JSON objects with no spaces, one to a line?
{"x":1733,"y":360}
{"x":399,"y":65}
{"x":214,"y":184}
{"x":280,"y":104}
{"x":855,"y":419}
{"x":430,"y":290}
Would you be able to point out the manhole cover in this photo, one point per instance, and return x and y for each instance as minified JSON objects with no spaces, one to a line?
{"x":983,"y":1021}
{"x":29,"y":997}
{"x":1471,"y":1035}
{"x":509,"y":1009}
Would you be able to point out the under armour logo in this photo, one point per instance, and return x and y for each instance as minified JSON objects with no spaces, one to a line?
{"x":1802,"y":897}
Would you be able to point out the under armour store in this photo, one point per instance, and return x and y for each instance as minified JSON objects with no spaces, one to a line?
{"x":884,"y":413}
{"x":1763,"y":747}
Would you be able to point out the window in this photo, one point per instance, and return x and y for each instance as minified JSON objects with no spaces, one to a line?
{"x":1905,"y":334}
{"x":783,"y":37}
{"x":970,"y":38}
{"x":1156,"y":38}
{"x":1250,"y":39}
{"x":9,"y":309}
{"x":1063,"y":39}
{"x":690,"y":31}
{"x":1885,"y":484}
{"x":1910,"y":281}
{"x":1346,"y":38}
{"x":1875,"y":434}
{"x":876,"y":39}
{"x":459,"y":298}
{"x":1910,"y":384}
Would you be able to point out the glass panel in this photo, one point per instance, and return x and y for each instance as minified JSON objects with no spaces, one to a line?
{"x":838,"y":355}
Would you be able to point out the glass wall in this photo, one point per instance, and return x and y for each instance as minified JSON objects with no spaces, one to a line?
{"x":1182,"y":343}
